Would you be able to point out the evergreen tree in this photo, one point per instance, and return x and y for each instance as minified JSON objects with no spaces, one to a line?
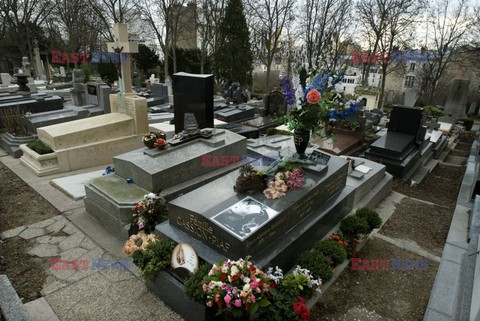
{"x":146,"y":59}
{"x":233,"y":58}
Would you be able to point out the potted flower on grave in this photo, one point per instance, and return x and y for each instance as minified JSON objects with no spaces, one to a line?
{"x":250,"y":179}
{"x":237,"y":289}
{"x":148,"y":213}
{"x":149,"y":139}
{"x":149,"y":253}
{"x":161,"y":134}
{"x":289,"y":294}
{"x":315,"y":109}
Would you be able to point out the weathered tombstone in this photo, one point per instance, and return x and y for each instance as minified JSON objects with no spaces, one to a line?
{"x":457,"y":98}
{"x":193,"y":94}
{"x":62,"y":71}
{"x":473,"y":108}
{"x":275,"y":104}
{"x":78,"y":91}
{"x":26,"y":66}
{"x":99,"y":94}
{"x":39,"y":70}
{"x":410,"y":97}
{"x":6,"y":79}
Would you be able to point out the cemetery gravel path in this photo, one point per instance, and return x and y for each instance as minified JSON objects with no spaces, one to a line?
{"x":416,"y":229}
{"x":32,"y":232}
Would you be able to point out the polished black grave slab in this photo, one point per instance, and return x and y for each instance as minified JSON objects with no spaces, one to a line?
{"x":237,"y":224}
{"x":235,"y":113}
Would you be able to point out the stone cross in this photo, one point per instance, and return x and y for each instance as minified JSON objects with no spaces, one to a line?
{"x":433,"y":125}
{"x":122,"y":46}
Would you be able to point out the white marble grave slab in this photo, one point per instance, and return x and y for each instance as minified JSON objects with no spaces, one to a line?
{"x":74,"y":186}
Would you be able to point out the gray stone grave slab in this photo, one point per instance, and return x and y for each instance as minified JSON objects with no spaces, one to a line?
{"x":239,"y":224}
{"x":11,"y":144}
{"x":457,"y":98}
{"x":235,"y":113}
{"x":70,"y":113}
{"x":156,"y":170}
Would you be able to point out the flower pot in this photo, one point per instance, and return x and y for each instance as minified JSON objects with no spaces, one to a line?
{"x":357,"y":244}
{"x":149,"y":143}
{"x":301,"y":139}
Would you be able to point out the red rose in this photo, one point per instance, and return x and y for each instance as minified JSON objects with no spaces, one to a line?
{"x":313,"y":97}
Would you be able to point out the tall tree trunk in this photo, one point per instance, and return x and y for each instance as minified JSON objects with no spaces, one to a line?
{"x":267,"y":82}
{"x":382,"y":89}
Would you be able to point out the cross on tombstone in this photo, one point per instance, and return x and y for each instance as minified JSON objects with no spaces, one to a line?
{"x":433,"y":125}
{"x":122,"y":46}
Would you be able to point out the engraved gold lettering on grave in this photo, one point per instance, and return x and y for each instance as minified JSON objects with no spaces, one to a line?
{"x":202,"y":230}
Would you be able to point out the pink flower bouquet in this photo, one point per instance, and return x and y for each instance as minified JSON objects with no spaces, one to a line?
{"x":236,"y":286}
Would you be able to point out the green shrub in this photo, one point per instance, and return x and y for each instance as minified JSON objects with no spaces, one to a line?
{"x":354,"y":225}
{"x":193,"y":283}
{"x":39,"y":147}
{"x":372,"y":217}
{"x":433,"y":111}
{"x":155,"y":258}
{"x":316,"y":262}
{"x":331,"y":248}
{"x":86,"y":71}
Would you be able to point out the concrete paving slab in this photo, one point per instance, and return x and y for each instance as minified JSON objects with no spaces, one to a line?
{"x":74,"y":186}
{"x":97,"y":233}
{"x":40,"y":310}
{"x":55,"y":197}
{"x":10,"y":305}
{"x":12,"y":233}
{"x":432,"y":315}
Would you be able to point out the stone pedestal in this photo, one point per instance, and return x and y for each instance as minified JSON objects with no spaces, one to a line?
{"x":457,"y":98}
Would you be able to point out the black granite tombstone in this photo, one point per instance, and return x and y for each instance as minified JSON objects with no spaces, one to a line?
{"x":193,"y":93}
{"x":404,"y":145}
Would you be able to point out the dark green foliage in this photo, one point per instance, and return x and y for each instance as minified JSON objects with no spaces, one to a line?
{"x":372,"y":217}
{"x":39,"y":147}
{"x":188,"y":60}
{"x":155,"y":258}
{"x":86,"y":71}
{"x":331,"y":248}
{"x":273,"y":131}
{"x":233,"y":58}
{"x":303,"y":77}
{"x":353,"y":225}
{"x":108,"y":72}
{"x":281,"y":307}
{"x":193,"y":284}
{"x":316,"y":262}
{"x":146,"y":58}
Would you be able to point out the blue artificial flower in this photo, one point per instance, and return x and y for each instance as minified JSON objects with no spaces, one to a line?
{"x":288,"y":91}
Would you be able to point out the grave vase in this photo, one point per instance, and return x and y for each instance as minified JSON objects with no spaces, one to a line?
{"x":301,"y":139}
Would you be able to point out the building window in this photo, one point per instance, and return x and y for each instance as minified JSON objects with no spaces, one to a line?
{"x":409,"y":81}
{"x":412,"y":67}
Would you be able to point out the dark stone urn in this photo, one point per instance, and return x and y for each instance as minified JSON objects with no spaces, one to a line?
{"x":301,"y":139}
{"x":22,"y":81}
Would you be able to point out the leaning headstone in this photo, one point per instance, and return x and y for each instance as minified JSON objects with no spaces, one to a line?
{"x":457,"y":98}
{"x":193,"y":94}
